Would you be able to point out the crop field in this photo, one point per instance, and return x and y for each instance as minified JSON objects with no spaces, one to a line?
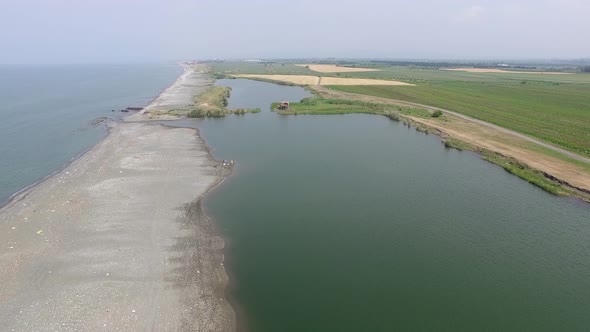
{"x":317,"y":80}
{"x":558,"y":114}
{"x":236,"y":68}
{"x":415,"y":74}
{"x":554,"y":108}
{"x":494,"y":70}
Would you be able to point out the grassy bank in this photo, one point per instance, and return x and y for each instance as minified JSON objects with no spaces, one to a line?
{"x":526,"y":173}
{"x":318,"y":105}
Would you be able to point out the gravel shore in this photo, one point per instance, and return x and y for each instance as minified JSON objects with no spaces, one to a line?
{"x":117,"y":241}
{"x":178,"y":96}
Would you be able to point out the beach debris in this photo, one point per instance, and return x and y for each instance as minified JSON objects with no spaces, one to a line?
{"x":99,"y":120}
{"x":227,"y":163}
{"x":40,"y":231}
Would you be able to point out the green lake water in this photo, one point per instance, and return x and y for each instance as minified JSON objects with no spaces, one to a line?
{"x":358,"y":223}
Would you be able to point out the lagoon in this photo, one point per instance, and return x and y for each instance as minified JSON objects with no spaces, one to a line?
{"x":359,"y":223}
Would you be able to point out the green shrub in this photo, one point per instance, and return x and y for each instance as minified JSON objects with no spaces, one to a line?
{"x":436,"y":114}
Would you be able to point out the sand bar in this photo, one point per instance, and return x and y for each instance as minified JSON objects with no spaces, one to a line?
{"x":179,"y":96}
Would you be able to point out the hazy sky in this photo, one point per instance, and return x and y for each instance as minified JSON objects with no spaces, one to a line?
{"x":72,"y":31}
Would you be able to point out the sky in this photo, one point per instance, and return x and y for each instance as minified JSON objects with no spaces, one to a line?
{"x":122,"y":31}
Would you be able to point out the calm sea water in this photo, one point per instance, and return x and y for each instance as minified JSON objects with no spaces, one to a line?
{"x":358,"y":223}
{"x":47,"y":112}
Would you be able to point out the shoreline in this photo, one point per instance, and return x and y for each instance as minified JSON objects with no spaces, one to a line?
{"x":196,"y":240}
{"x":125,"y":118}
{"x":22,"y":192}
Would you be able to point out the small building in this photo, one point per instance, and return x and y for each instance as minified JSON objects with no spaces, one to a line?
{"x":284,"y":105}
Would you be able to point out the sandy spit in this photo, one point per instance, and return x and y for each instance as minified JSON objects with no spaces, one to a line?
{"x":116,"y":241}
{"x":179,"y":96}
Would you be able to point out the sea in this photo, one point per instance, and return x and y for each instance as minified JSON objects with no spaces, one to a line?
{"x":50,"y":114}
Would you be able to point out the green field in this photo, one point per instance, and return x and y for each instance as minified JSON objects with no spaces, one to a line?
{"x":237,"y":68}
{"x":554,"y":108}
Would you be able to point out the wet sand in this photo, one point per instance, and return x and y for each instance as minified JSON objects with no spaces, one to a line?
{"x":117,"y":241}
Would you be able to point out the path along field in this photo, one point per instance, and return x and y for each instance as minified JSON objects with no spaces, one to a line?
{"x":316,"y":80}
{"x":335,"y":68}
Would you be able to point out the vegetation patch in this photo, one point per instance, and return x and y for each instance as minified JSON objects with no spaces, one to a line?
{"x":318,"y":105}
{"x":213,"y":103}
{"x":453,"y":143}
{"x":524,"y":172}
{"x":417,"y":112}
